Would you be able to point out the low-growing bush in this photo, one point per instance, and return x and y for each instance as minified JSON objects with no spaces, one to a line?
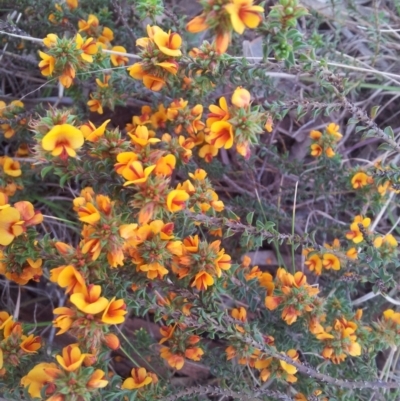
{"x":198,"y":201}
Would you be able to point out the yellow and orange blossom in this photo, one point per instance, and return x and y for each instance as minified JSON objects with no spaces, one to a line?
{"x":243,"y":14}
{"x":63,"y":140}
{"x":71,"y":359}
{"x":139,"y":378}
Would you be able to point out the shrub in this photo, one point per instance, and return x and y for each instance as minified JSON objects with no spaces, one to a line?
{"x":142,"y":177}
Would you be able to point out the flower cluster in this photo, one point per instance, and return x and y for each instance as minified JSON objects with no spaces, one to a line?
{"x":272,"y":367}
{"x":89,"y":316}
{"x":104,"y":96}
{"x":203,"y":198}
{"x":237,"y":125}
{"x":92,"y":28}
{"x":157,"y":122}
{"x":159,"y":54}
{"x":15,"y":346}
{"x":102,"y":230}
{"x":290,"y":291}
{"x":68,"y":378}
{"x":201,"y":262}
{"x":58,"y":17}
{"x":340,"y":340}
{"x":358,"y":229}
{"x":66,"y":56}
{"x":325,"y":142}
{"x":182,"y":345}
{"x":388,"y":328}
{"x":152,"y":247}
{"x":333,"y":259}
{"x":149,"y":171}
{"x":268,"y":367}
{"x":12,"y":113}
{"x":147,"y":211}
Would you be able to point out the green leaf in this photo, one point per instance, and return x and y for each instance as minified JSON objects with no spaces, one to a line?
{"x":259,"y":225}
{"x":374,"y":111}
{"x":385,"y":146}
{"x":232,"y":215}
{"x":268,"y":225}
{"x":45,"y":171}
{"x":353,"y":120}
{"x":249,"y":217}
{"x":389,"y":132}
{"x":360,"y":128}
{"x":228,"y":233}
{"x":63,"y":180}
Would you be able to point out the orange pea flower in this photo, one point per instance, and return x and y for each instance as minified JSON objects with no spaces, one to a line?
{"x":333,"y":130}
{"x":136,"y":71}
{"x":47,"y":64}
{"x":115,"y":312}
{"x":208,"y":152}
{"x":197,"y":24}
{"x":360,"y":180}
{"x":168,"y":43}
{"x":315,"y":135}
{"x":91,"y":133}
{"x":154,"y":270}
{"x":243,"y":14}
{"x":220,"y":135}
{"x":29,"y":215}
{"x":71,"y":279}
{"x":223,"y":261}
{"x":96,"y":380}
{"x":107,"y":35}
{"x":222,"y":41}
{"x":67,"y":76}
{"x":330,"y":261}
{"x":174,"y":360}
{"x":90,"y":300}
{"x":38,"y":377}
{"x":241,"y":97}
{"x":87,"y":46}
{"x":72,"y":4}
{"x":170,"y":66}
{"x":112,"y":341}
{"x":11,"y":225}
{"x":316,"y":150}
{"x":117,"y":59}
{"x":62,"y":140}
{"x":218,"y":113}
{"x":139,"y":378}
{"x":88,"y":214}
{"x":176,"y":200}
{"x":202,"y":281}
{"x":95,"y":105}
{"x":141,"y":136}
{"x":314,"y":263}
{"x":194,"y":353}
{"x":355,"y":233}
{"x":30,"y":344}
{"x":165,"y":165}
{"x":135,"y":174}
{"x":65,"y":320}
{"x":71,"y":359}
{"x":92,"y":21}
{"x":153,"y":83}
{"x":11,"y":167}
